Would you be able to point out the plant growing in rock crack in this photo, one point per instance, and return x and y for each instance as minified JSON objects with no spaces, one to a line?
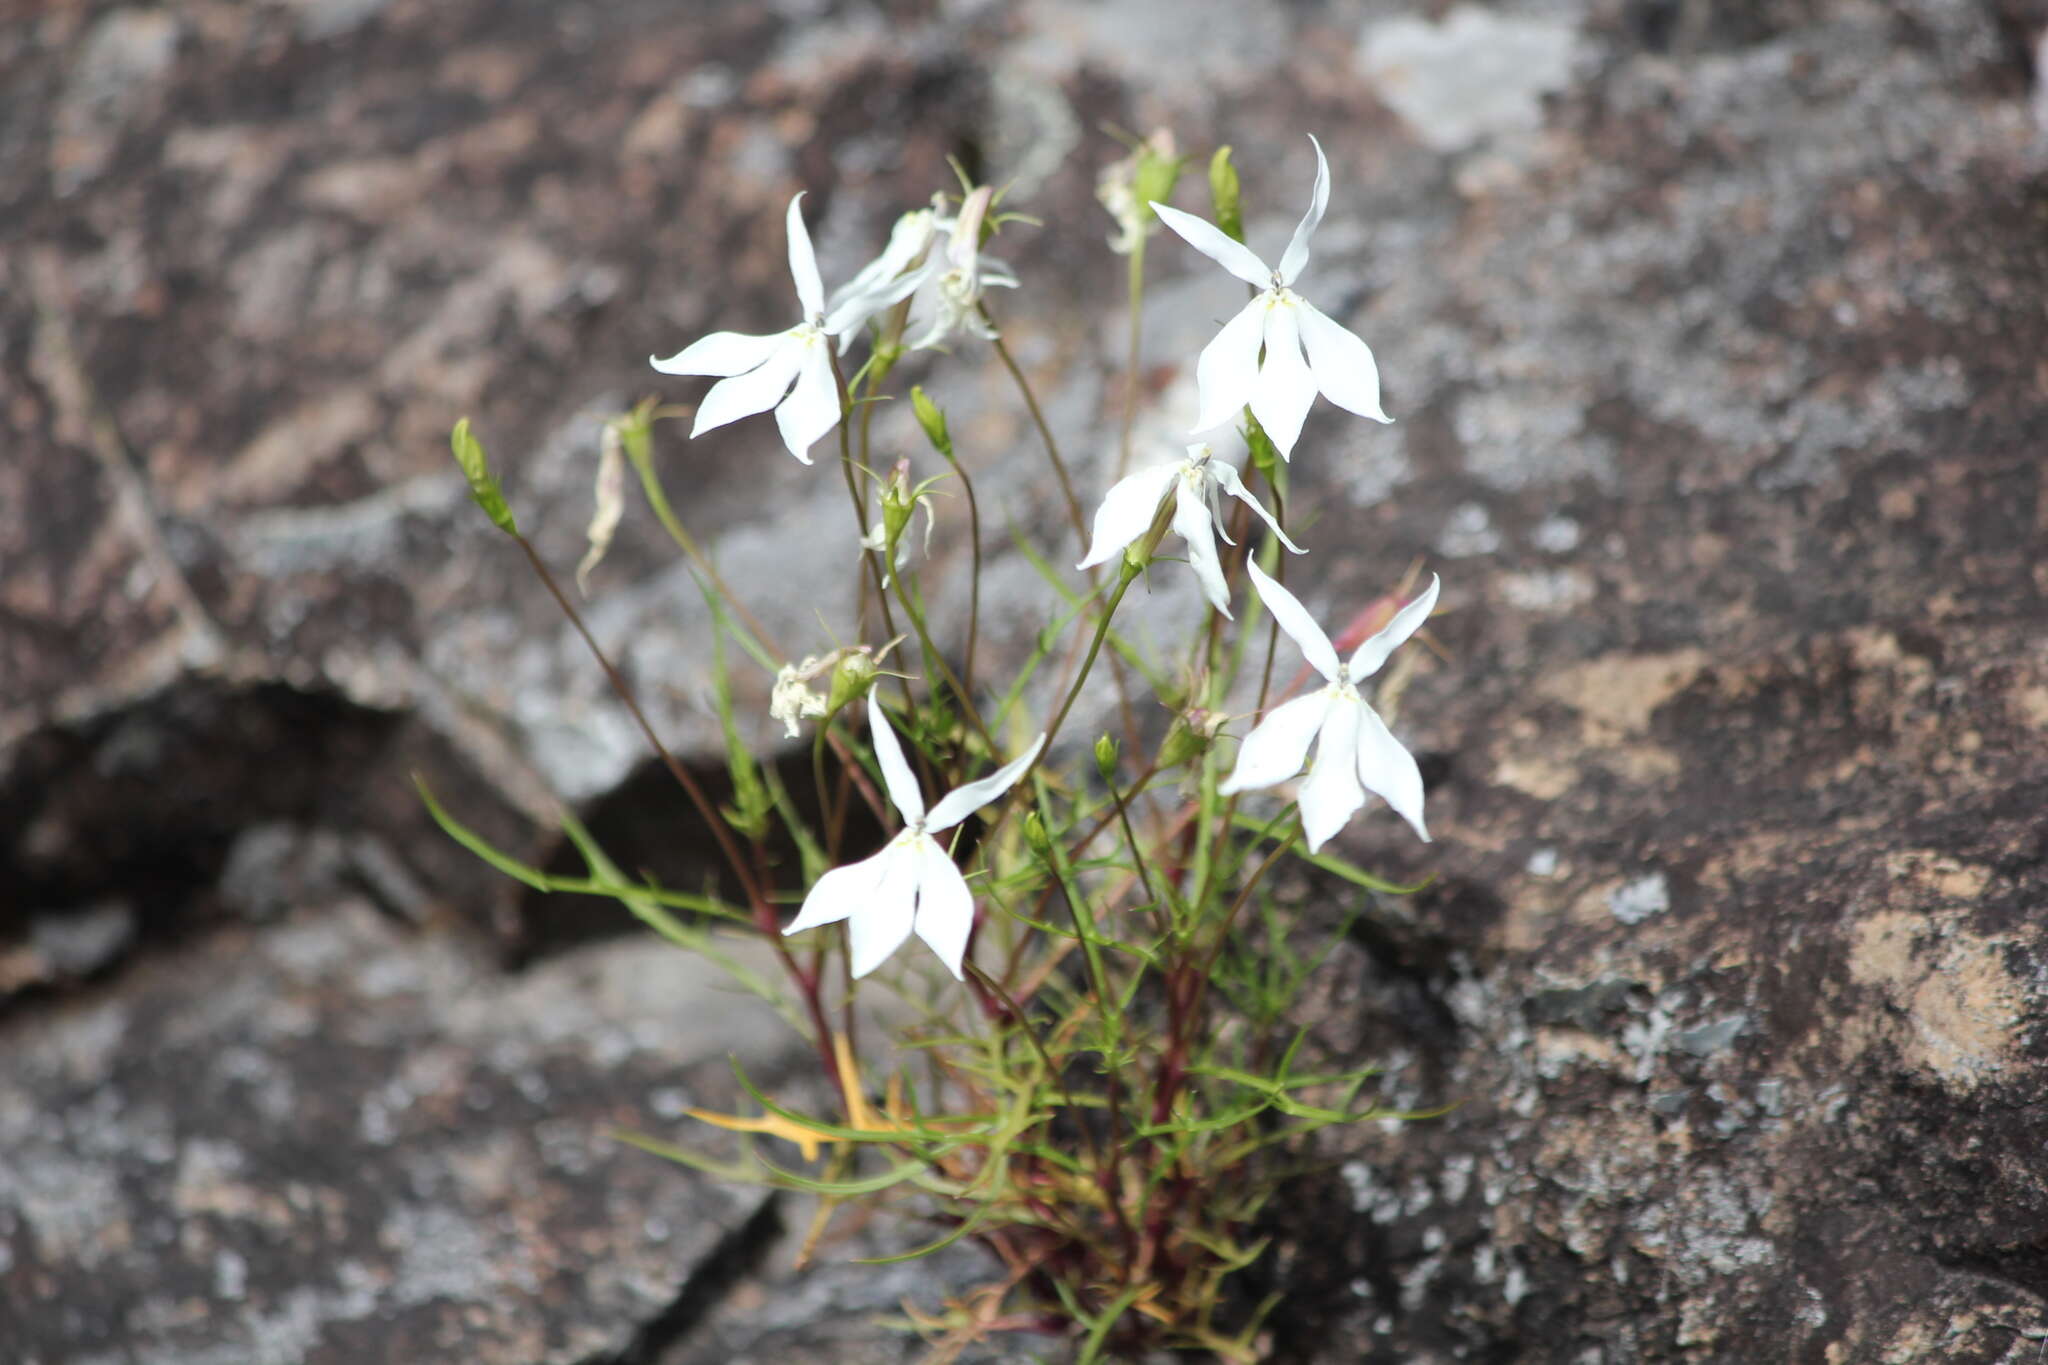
{"x":1101,"y":1085}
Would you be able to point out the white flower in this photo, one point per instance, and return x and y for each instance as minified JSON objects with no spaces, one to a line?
{"x":791,"y":700}
{"x":912,"y":883}
{"x":1357,"y":753}
{"x":1281,"y":389}
{"x":756,"y":372}
{"x":961,"y":273}
{"x":1196,"y":482}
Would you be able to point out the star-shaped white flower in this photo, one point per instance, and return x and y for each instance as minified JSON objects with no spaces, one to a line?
{"x":912,"y":883}
{"x":1196,"y":483}
{"x":1357,"y":753}
{"x":1281,"y":388}
{"x":756,"y":372}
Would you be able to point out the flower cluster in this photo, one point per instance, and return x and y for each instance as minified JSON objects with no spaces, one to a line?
{"x":1116,"y":1089}
{"x":1271,"y":360}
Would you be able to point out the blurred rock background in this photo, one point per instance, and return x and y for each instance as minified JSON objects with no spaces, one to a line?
{"x":1716,"y":336}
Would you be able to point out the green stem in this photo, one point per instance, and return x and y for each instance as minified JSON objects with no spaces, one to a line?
{"x":974,"y":583}
{"x":1052,"y":447}
{"x":931,"y":652}
{"x":1136,"y":290}
{"x":871,"y":557}
{"x":1110,"y":1021}
{"x":1125,"y":578}
{"x":756,"y":641}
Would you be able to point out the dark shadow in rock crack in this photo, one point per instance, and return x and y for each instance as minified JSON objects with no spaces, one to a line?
{"x":142,"y":808}
{"x":650,"y":829}
{"x":735,"y":1257}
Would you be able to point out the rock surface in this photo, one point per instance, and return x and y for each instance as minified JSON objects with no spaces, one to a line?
{"x":1715,"y":337}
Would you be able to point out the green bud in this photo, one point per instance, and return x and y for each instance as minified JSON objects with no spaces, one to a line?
{"x":933,"y":419}
{"x":899,"y":503}
{"x":1183,"y":743}
{"x":852,"y":676}
{"x":1224,"y":190}
{"x":469,"y":456}
{"x":1265,"y":455}
{"x":882,"y":359}
{"x":1158,"y":171}
{"x":636,"y":432}
{"x":1105,"y":759}
{"x":1035,"y":836}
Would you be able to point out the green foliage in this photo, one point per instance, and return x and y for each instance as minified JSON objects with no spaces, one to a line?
{"x":1118,"y":1088}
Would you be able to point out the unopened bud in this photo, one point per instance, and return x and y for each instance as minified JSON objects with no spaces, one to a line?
{"x":1184,"y":743}
{"x":1226,"y":195}
{"x":1105,"y":759}
{"x":469,"y":457}
{"x":1035,"y":836}
{"x":932,"y":418}
{"x":1158,"y":170}
{"x":852,"y":676}
{"x":898,"y":502}
{"x":1265,"y":455}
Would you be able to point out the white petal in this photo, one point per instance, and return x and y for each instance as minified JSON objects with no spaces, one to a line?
{"x":1193,"y":523}
{"x":1388,"y":770}
{"x":1332,"y":794}
{"x":722,"y":354}
{"x":1342,"y":364}
{"x":961,"y":802}
{"x":755,"y":391}
{"x":851,"y":309}
{"x":1286,"y":390}
{"x":945,"y":907}
{"x":1296,"y":255}
{"x":1228,"y":369}
{"x":1370,"y":655}
{"x":803,"y":262}
{"x":1295,"y":620}
{"x":879,"y":927}
{"x":1225,"y":477}
{"x":896,"y":774}
{"x":812,"y":408}
{"x":1218,"y":245}
{"x":1273,"y":751}
{"x":1127,"y":510}
{"x":841,"y":892}
{"x":908,"y":240}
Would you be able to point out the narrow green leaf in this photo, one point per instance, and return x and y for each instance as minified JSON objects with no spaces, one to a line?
{"x":1098,"y":1335}
{"x":476,"y":843}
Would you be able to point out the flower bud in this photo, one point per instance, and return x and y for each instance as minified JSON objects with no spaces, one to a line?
{"x":932,"y":418}
{"x":852,"y":676}
{"x":1265,"y":456}
{"x":1184,"y":742}
{"x":469,"y":457}
{"x":1158,"y":170}
{"x":899,"y":502}
{"x":1127,"y":188}
{"x":1226,"y":195}
{"x":1035,"y":837}
{"x":1105,"y":759}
